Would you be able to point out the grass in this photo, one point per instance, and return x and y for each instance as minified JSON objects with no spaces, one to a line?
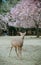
{"x":31,"y":54}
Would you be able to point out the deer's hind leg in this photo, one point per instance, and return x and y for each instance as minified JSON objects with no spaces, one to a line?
{"x":10,"y":50}
{"x":20,"y":51}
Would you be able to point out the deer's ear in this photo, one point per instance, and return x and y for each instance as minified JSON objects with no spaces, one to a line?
{"x":20,"y":33}
{"x":24,"y":33}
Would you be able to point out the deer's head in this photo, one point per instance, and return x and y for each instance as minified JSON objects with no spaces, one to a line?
{"x":22,"y":34}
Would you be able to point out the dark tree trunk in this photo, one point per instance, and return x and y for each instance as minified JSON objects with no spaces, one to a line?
{"x":37,"y":31}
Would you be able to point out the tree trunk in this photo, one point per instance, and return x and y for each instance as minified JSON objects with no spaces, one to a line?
{"x":37,"y":32}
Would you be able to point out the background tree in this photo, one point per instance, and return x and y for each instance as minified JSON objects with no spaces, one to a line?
{"x":37,"y":23}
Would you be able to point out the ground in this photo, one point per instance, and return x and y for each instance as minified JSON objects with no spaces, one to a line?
{"x":31,"y":53}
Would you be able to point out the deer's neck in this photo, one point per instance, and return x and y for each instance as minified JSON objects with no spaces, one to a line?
{"x":22,"y":37}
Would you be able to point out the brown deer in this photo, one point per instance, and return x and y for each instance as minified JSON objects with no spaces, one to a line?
{"x":17,"y":43}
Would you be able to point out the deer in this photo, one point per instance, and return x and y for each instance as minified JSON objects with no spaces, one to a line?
{"x":17,"y":43}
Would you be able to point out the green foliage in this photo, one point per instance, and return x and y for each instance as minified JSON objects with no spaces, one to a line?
{"x":0,"y":1}
{"x":5,"y":7}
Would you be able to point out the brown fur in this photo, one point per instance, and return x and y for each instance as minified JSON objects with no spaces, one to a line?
{"x":18,"y":44}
